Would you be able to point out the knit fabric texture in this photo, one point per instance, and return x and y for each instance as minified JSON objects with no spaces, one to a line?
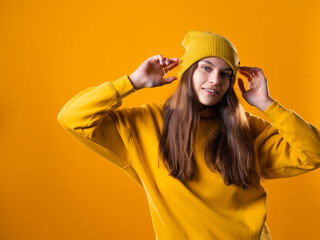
{"x":202,"y":44}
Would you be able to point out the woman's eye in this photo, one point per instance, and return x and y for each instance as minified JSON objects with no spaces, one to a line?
{"x":206,"y":68}
{"x":225,"y":74}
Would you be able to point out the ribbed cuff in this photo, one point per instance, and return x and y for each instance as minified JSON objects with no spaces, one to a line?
{"x":275,"y":111}
{"x":123,"y":86}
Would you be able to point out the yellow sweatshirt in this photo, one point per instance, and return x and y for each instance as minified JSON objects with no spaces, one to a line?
{"x":203,"y":208}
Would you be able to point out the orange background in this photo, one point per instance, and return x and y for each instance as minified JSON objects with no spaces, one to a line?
{"x":53,"y":187}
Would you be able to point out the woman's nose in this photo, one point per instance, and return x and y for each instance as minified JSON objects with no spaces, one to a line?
{"x":214,"y":78}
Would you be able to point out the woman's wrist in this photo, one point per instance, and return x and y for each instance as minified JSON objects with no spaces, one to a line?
{"x":134,"y":81}
{"x":265,"y":104}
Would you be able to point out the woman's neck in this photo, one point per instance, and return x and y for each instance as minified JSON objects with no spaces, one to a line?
{"x":208,"y":111}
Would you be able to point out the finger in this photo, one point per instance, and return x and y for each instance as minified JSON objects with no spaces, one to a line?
{"x":260,"y":73}
{"x":253,"y":70}
{"x":158,"y":58}
{"x":169,"y":79}
{"x":248,"y":70}
{"x":246,"y":74}
{"x":169,"y":60}
{"x":245,"y":68}
{"x":172,"y":66}
{"x":174,"y":59}
{"x":245,"y":71}
{"x":241,"y":86}
{"x":166,"y":60}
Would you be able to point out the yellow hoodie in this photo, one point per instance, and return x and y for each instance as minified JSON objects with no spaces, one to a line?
{"x":203,"y":208}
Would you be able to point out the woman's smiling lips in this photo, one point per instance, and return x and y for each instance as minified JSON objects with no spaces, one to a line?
{"x":211,"y":91}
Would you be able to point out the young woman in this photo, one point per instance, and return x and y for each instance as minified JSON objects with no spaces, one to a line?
{"x":199,"y":156}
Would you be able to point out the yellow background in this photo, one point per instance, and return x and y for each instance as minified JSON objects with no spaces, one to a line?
{"x":51,"y":186}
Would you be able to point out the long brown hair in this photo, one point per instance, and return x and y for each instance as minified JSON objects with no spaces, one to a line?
{"x":229,"y":150}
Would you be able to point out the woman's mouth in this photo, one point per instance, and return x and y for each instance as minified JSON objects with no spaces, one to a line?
{"x":211,"y":91}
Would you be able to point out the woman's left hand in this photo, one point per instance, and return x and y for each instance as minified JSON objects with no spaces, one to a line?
{"x":258,"y":94}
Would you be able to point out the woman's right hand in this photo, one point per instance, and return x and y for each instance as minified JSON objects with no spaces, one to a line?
{"x":151,"y":72}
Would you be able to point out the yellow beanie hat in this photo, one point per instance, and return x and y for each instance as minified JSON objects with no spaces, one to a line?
{"x":202,"y":44}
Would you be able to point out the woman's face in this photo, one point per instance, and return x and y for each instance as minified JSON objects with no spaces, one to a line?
{"x":211,"y":80}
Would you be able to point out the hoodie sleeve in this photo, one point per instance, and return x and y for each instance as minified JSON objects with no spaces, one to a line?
{"x":289,"y":146}
{"x":90,"y":118}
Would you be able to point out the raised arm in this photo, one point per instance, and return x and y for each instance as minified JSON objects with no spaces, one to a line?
{"x":287,"y":147}
{"x":87,"y":117}
{"x":91,"y":115}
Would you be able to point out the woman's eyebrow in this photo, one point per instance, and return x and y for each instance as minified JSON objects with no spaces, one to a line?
{"x":226,"y":69}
